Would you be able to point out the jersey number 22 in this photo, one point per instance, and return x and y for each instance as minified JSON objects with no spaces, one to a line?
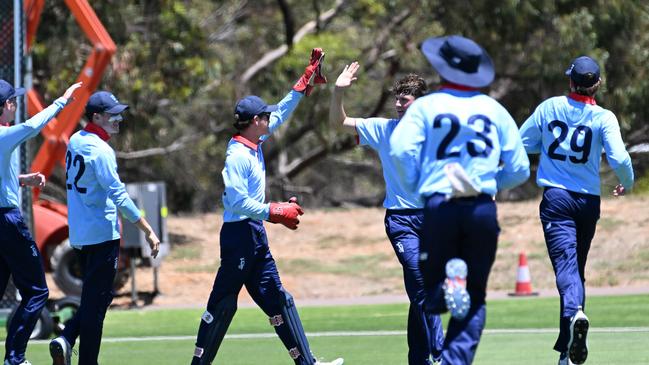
{"x":80,"y":164}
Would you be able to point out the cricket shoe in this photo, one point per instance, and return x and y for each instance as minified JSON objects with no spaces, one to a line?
{"x":61,"y":351}
{"x":456,"y":297}
{"x":578,"y":345}
{"x":338,"y":361}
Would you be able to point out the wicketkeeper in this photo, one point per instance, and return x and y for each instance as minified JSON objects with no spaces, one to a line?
{"x":245,"y":255}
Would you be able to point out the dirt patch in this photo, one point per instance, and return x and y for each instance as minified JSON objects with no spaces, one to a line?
{"x":346,"y":254}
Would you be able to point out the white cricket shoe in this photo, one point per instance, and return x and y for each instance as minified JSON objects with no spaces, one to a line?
{"x":61,"y":351}
{"x":338,"y":361}
{"x":578,"y":345}
{"x":456,"y":297}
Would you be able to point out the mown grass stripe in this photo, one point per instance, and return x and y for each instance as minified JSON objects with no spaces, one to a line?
{"x":244,"y":336}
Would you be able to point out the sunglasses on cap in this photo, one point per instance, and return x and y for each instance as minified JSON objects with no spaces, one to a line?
{"x":115,"y":118}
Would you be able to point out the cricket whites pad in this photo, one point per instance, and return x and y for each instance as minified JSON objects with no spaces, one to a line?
{"x":292,"y":320}
{"x":212,"y":330}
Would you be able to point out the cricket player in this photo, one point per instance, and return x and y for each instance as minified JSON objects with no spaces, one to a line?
{"x":19,"y":256}
{"x":404,"y":214}
{"x":457,"y":147}
{"x":95,"y":195}
{"x":245,"y":256}
{"x":570,"y":133}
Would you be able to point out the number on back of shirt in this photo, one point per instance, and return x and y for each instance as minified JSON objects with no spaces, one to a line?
{"x":80,"y":165}
{"x":474,"y":148}
{"x":581,"y":139}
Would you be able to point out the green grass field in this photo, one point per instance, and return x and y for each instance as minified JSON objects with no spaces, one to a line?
{"x":518,"y":331}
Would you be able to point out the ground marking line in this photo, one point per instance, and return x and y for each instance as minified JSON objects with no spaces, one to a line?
{"x":360,"y":334}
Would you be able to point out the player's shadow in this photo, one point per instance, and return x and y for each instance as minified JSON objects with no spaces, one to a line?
{"x":124,"y":299}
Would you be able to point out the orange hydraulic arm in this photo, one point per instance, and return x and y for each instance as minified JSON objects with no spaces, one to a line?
{"x":58,"y":131}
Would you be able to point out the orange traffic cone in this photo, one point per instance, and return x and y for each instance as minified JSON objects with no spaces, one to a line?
{"x":523,"y":279}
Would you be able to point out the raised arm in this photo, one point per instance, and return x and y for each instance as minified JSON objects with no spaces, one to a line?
{"x":337,"y":117}
{"x":303,"y":87}
{"x":19,"y":133}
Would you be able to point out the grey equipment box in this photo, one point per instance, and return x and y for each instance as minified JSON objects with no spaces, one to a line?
{"x":151,"y":199}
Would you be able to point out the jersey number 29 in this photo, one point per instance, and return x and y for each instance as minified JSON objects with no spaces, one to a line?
{"x":575,"y":145}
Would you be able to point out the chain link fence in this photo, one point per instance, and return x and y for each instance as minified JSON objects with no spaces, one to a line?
{"x":11,"y":39}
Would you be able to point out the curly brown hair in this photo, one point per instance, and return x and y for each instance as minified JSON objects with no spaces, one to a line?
{"x":411,"y":84}
{"x":588,"y":91}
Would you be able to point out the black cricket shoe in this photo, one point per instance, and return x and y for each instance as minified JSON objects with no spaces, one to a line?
{"x":578,"y":345}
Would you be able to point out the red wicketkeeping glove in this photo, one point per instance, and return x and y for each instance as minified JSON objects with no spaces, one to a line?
{"x":312,"y":73}
{"x":286,"y":213}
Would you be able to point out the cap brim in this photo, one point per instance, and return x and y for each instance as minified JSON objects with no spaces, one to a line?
{"x":116,"y":109}
{"x":483,"y":77}
{"x":19,"y":91}
{"x":270,"y":108}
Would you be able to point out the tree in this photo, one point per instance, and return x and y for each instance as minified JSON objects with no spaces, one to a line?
{"x":182,"y":65}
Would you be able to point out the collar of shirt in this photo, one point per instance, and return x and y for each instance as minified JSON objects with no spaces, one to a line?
{"x":452,"y":86}
{"x":246,"y":142}
{"x":582,"y":98}
{"x":94,"y":128}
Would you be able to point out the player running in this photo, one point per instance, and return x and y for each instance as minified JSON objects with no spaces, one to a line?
{"x":457,"y":147}
{"x":245,"y":256}
{"x":569,"y":132}
{"x":404,"y":215}
{"x":95,"y":194}
{"x":19,"y":256}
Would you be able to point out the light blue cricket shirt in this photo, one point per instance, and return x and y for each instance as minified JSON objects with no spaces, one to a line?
{"x":10,"y":138}
{"x":244,"y":174}
{"x":95,"y":192}
{"x":466,"y":127}
{"x":569,"y":132}
{"x":375,"y":133}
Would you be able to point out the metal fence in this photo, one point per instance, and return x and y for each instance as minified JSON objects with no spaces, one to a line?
{"x":12,"y":37}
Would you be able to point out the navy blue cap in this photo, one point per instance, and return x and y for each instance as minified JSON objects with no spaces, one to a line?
{"x":584,"y":71}
{"x":104,"y":102}
{"x":7,"y":91}
{"x":250,"y":106}
{"x":459,"y":60}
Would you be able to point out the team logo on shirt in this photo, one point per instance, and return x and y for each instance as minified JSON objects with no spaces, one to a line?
{"x":242,"y":263}
{"x":34,"y":251}
{"x":400,"y":247}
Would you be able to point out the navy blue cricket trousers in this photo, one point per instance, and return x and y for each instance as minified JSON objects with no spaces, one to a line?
{"x":425,"y":330}
{"x":466,"y":228}
{"x":19,"y":258}
{"x":246,"y":260}
{"x":569,"y":220}
{"x":99,"y":264}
